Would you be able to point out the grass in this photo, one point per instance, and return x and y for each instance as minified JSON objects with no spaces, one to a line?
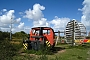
{"x":74,"y":54}
{"x":61,"y":52}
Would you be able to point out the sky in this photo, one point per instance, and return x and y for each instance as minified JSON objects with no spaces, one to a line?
{"x":25,"y":14}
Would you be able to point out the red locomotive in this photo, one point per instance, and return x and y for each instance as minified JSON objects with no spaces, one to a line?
{"x":40,"y":36}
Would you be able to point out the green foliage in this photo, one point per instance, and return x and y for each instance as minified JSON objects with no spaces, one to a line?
{"x":4,"y":35}
{"x":10,"y":51}
{"x":20,"y":35}
{"x":6,"y":50}
{"x":88,"y":37}
{"x":1,"y":35}
{"x":23,"y":32}
{"x":70,"y":53}
{"x":39,"y":52}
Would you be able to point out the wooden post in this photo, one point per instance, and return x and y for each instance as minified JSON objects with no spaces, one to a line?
{"x":58,"y":37}
{"x":73,"y":33}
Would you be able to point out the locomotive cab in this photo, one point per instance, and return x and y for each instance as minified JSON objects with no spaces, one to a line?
{"x":41,"y":36}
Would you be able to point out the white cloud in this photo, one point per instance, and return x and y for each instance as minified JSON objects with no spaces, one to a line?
{"x":6,"y":18}
{"x":59,"y":23}
{"x":85,"y":19}
{"x":38,"y":18}
{"x":43,"y":22}
{"x":20,"y":13}
{"x":18,"y":28}
{"x":21,"y":26}
{"x":18,"y":20}
{"x":4,"y":10}
{"x":36,"y":13}
{"x":79,"y":9}
{"x":5,"y":29}
{"x":27,"y":29}
{"x":4,"y":25}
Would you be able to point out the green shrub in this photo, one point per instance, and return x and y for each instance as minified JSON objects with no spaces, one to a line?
{"x":8,"y":50}
{"x":43,"y":50}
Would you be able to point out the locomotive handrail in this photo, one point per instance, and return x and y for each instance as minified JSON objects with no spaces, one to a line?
{"x":37,"y":36}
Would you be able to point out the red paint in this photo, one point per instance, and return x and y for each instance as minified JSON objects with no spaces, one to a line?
{"x":85,"y":40}
{"x":50,"y":37}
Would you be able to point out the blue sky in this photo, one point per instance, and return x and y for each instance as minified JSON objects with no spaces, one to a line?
{"x":60,"y":8}
{"x":63,"y":9}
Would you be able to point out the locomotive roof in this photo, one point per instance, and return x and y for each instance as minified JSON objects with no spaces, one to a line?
{"x":41,"y":27}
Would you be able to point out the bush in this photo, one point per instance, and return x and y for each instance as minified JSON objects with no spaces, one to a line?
{"x":4,"y":35}
{"x":8,"y":50}
{"x":20,"y":35}
{"x":43,"y":50}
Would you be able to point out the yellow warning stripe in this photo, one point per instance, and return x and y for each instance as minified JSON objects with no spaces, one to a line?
{"x":25,"y":46}
{"x":48,"y":43}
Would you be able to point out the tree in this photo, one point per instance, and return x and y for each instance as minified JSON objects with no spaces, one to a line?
{"x":20,"y":35}
{"x":23,"y":32}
